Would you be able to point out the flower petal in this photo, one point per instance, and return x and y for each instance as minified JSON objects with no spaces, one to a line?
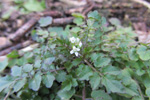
{"x":74,"y":48}
{"x":77,"y":40}
{"x":71,"y":52}
{"x":77,"y":49}
{"x":76,"y":53}
{"x":80,"y":44}
{"x":72,"y":39}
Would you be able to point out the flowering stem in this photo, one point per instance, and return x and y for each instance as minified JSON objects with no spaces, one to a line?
{"x":92,"y":67}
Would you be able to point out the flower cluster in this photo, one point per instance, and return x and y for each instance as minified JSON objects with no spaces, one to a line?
{"x":76,"y":45}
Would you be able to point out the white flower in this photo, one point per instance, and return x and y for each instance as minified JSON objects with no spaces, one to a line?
{"x":72,"y":39}
{"x":80,"y":44}
{"x":75,"y":49}
{"x":71,"y":52}
{"x":77,"y":40}
{"x":77,"y":44}
{"x":76,"y":53}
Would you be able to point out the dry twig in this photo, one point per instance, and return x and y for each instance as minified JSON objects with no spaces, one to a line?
{"x":89,"y":8}
{"x":26,"y":27}
{"x":63,"y":21}
{"x":18,"y":46}
{"x":143,"y":2}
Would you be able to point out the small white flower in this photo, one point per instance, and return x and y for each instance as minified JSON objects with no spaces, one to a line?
{"x":80,"y":44}
{"x":72,"y":39}
{"x":77,"y":40}
{"x":75,"y":49}
{"x":76,"y":53}
{"x":71,"y":52}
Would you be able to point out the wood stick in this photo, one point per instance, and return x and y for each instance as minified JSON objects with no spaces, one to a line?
{"x":6,"y":45}
{"x":51,"y":13}
{"x":74,"y":10}
{"x":26,"y":27}
{"x":18,"y":46}
{"x":89,"y":8}
{"x":22,"y":51}
{"x":143,"y":2}
{"x":62,"y":21}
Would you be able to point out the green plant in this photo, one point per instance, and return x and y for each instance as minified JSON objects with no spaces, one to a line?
{"x":27,"y":6}
{"x":85,"y":60}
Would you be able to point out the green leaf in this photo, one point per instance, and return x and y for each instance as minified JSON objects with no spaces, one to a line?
{"x":35,"y":82}
{"x":112,"y":85}
{"x":103,"y":22}
{"x":27,"y":68}
{"x":42,"y":33}
{"x":37,"y":63}
{"x":84,"y":72}
{"x":98,"y":33}
{"x":6,"y":15}
{"x":74,"y":82}
{"x":100,"y":95}
{"x":78,"y":21}
{"x":115,"y":21}
{"x":13,"y":54}
{"x":48,"y":80}
{"x":95,"y":81}
{"x":76,"y":61}
{"x":137,"y":98}
{"x":16,"y":71}
{"x":5,"y":82}
{"x":45,"y":21}
{"x":66,"y":95}
{"x":100,"y":62}
{"x":143,"y":52}
{"x":76,"y":29}
{"x":140,"y":72}
{"x":69,"y":83}
{"x":148,"y":92}
{"x":57,"y":30}
{"x":19,"y":84}
{"x":49,"y":60}
{"x":95,"y":56}
{"x":66,"y":85}
{"x":94,"y":14}
{"x":22,"y":61}
{"x":33,"y":5}
{"x":77,"y":15}
{"x":132,"y":54}
{"x":111,"y":70}
{"x":146,"y":80}
{"x":131,"y":89}
{"x":3,"y":64}
{"x":61,"y":76}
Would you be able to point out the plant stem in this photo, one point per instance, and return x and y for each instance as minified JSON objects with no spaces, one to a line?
{"x":92,"y":67}
{"x":57,"y":69}
{"x":83,"y":94}
{"x":54,"y":70}
{"x":139,"y":89}
{"x":7,"y":95}
{"x":78,"y":96}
